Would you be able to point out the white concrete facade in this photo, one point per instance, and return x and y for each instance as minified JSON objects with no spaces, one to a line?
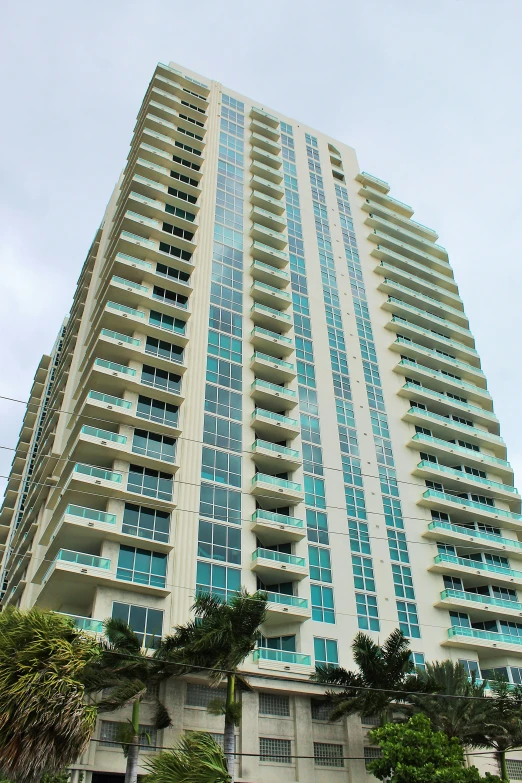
{"x":269,"y":334}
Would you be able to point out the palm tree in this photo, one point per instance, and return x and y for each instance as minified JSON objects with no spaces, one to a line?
{"x":456,"y":717}
{"x":45,"y":723}
{"x":385,"y":675}
{"x":125,"y":668}
{"x":222,"y":634}
{"x":502,"y":727}
{"x":197,"y":758}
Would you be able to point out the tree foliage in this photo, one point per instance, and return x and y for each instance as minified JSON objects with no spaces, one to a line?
{"x":197,"y":758}
{"x":413,"y":753}
{"x":385,"y":675}
{"x":45,"y":723}
{"x":501,"y":729}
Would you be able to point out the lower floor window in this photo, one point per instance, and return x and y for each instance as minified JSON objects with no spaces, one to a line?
{"x":327,"y":754}
{"x":278,"y":751}
{"x":367,"y":612}
{"x":110,"y":731}
{"x":217,"y":579}
{"x":142,"y":566}
{"x":322,"y":604}
{"x":408,"y":619}
{"x":147,"y":623}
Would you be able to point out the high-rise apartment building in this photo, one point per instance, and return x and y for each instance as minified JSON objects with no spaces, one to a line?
{"x":267,"y":378}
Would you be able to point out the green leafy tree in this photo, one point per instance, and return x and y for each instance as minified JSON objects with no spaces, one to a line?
{"x":502,"y":726}
{"x":219,"y":639}
{"x":127,"y":670}
{"x":196,"y":759}
{"x":413,"y":753}
{"x":385,"y":675}
{"x":45,"y":722}
{"x":457,"y":717}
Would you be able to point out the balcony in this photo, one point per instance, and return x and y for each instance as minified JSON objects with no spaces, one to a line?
{"x":271,"y":368}
{"x":383,"y":240}
{"x":114,"y":345}
{"x":460,"y":481}
{"x":424,"y":286}
{"x":474,"y":639}
{"x":136,"y":294}
{"x":453,"y":534}
{"x":272,"y":528}
{"x":478,"y":604}
{"x":113,"y":377}
{"x":80,"y":515}
{"x":264,"y":116}
{"x":150,"y":250}
{"x":433,"y":339}
{"x":264,"y":234}
{"x":274,"y":567}
{"x":69,"y":570}
{"x":368,"y":191}
{"x":260,"y":127}
{"x":443,"y":403}
{"x":283,"y":609}
{"x":469,"y":508}
{"x":464,"y":566}
{"x":269,"y":295}
{"x":84,"y":623}
{"x":268,"y":317}
{"x":274,"y":492}
{"x":415,"y":298}
{"x":443,"y":425}
{"x":442,"y":381}
{"x":273,"y":394}
{"x":270,"y":456}
{"x":267,"y":173}
{"x":401,"y":232}
{"x":437,"y":359}
{"x":283,"y":660}
{"x":265,"y":273}
{"x":266,"y":186}
{"x":259,"y":140}
{"x":136,"y":270}
{"x":373,"y":182}
{"x":273,"y":425}
{"x":266,"y":340}
{"x":263,"y":252}
{"x":275,"y":205}
{"x":389,"y":214}
{"x":423,"y":318}
{"x":269,"y":220}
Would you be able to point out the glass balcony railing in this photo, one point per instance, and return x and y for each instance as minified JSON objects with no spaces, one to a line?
{"x":279,"y":519}
{"x":99,"y":473}
{"x":270,"y":269}
{"x":406,"y":245}
{"x":430,"y":440}
{"x":129,"y":310}
{"x":82,"y":559}
{"x":129,"y":283}
{"x":137,"y":237}
{"x":122,"y":338}
{"x":278,"y":557}
{"x":270,"y":311}
{"x":444,"y":377}
{"x":114,"y":366}
{"x":139,"y":196}
{"x":412,"y":345}
{"x":463,"y":595}
{"x":258,"y":331}
{"x":422,"y":281}
{"x":287,"y":600}
{"x":282,"y":656}
{"x":136,"y":215}
{"x":271,"y":290}
{"x":264,"y":478}
{"x":423,"y":298}
{"x":283,"y":450}
{"x":264,"y":357}
{"x":494,"y":510}
{"x":478,"y":534}
{"x":432,"y":335}
{"x":277,"y":417}
{"x":268,"y":248}
{"x":84,"y":623}
{"x":109,"y":399}
{"x":104,"y":434}
{"x":456,"y":424}
{"x":273,"y":387}
{"x":270,"y":231}
{"x":430,"y":316}
{"x":489,"y":636}
{"x":436,"y":467}
{"x":133,"y":260}
{"x":91,"y":513}
{"x":478,"y":565}
{"x":260,"y":211}
{"x":449,"y":400}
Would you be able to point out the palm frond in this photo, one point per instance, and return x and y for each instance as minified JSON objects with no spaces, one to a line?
{"x":197,"y":758}
{"x":126,"y":692}
{"x":162,"y":719}
{"x":121,"y":637}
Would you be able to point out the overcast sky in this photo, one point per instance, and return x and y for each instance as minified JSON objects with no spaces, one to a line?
{"x":426,"y":91}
